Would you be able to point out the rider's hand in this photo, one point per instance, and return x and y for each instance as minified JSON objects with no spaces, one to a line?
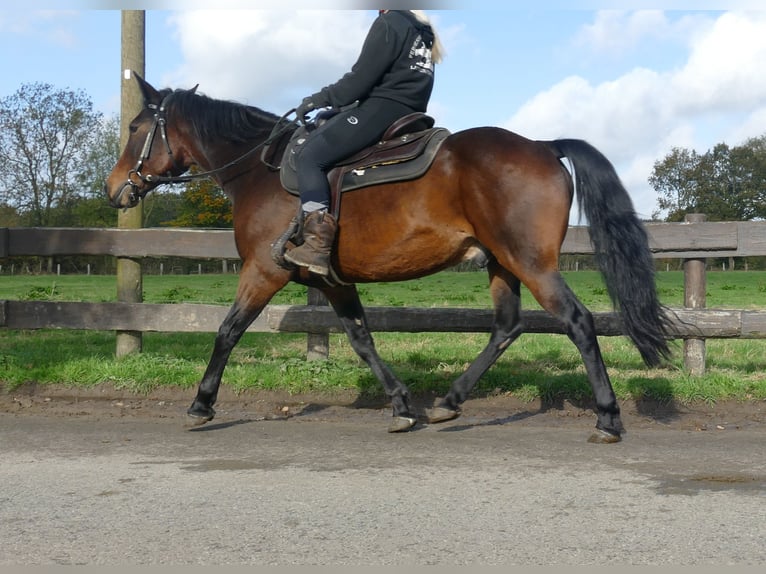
{"x":306,"y":106}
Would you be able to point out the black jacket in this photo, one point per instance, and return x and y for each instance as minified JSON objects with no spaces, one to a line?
{"x":395,"y":63}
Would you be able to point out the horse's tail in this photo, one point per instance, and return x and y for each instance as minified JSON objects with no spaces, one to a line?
{"x":621,"y":248}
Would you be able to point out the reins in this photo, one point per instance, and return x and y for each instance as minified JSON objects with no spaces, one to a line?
{"x":159,"y":119}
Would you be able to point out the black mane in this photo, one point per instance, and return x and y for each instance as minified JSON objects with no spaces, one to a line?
{"x":221,"y":119}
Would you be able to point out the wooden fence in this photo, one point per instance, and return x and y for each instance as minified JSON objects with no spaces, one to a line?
{"x":693,"y":241}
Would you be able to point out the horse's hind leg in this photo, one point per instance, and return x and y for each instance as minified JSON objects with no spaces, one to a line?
{"x":506,"y":328}
{"x":557,"y":298}
{"x":345,"y":301}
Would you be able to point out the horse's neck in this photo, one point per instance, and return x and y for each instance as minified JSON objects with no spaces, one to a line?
{"x":228,"y":162}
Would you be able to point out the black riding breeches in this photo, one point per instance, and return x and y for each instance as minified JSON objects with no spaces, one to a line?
{"x":340,"y":137}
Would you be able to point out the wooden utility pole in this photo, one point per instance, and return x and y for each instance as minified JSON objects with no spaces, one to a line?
{"x":130,"y":287}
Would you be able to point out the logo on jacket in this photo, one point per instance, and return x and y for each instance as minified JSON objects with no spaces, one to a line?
{"x":353,"y":120}
{"x":421,"y":53}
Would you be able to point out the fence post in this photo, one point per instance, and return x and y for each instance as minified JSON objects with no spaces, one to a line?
{"x":317,"y":344}
{"x":695,"y":288}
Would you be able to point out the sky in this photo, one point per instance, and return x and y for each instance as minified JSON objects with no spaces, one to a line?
{"x":635,"y":82}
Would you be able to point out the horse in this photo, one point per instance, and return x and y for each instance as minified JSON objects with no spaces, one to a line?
{"x":488,"y":191}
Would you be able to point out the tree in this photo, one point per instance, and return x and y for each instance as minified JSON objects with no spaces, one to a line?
{"x":9,"y":216}
{"x":750,"y":159}
{"x":674,"y":178}
{"x":726,"y":183}
{"x":720,"y":193}
{"x":45,"y":137}
{"x":99,"y":157}
{"x":90,"y":207}
{"x":161,"y":209}
{"x":204,"y":204}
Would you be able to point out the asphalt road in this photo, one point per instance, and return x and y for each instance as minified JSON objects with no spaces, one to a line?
{"x":341,"y":491}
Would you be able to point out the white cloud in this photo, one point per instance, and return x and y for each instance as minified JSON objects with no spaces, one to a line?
{"x":617,"y":30}
{"x":636,"y":118}
{"x":620,"y":115}
{"x":754,"y":125}
{"x":271,"y":59}
{"x":725,"y":70}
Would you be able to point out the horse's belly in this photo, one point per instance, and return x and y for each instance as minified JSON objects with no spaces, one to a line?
{"x":408,"y":257}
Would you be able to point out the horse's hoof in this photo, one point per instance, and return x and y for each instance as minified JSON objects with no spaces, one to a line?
{"x":601,"y":436}
{"x":441,"y":414}
{"x":194,"y":419}
{"x":401,"y":424}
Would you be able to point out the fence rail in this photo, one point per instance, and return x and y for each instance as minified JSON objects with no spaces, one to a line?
{"x":192,"y":317}
{"x":667,"y":241}
{"x":692,"y":241}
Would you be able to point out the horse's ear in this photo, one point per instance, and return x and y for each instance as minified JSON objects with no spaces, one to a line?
{"x":194,"y":89}
{"x":151,"y":96}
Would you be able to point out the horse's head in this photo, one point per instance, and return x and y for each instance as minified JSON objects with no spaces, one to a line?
{"x":155,"y":151}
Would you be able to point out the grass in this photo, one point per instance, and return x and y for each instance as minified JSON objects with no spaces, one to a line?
{"x":537,"y":366}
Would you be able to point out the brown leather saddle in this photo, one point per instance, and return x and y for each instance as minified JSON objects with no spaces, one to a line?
{"x":406,"y":151}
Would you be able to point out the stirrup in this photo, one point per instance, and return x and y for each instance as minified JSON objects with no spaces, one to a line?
{"x":278,"y":248}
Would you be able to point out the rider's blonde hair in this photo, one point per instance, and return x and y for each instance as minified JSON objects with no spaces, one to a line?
{"x":437,"y":50}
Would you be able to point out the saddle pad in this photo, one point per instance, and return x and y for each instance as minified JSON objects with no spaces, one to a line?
{"x":394,"y":168}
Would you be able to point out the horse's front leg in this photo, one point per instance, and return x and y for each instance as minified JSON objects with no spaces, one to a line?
{"x":345,"y":301}
{"x":230,"y":332}
{"x":257,"y":285}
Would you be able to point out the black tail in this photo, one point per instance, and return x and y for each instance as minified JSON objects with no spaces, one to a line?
{"x":621,"y":247}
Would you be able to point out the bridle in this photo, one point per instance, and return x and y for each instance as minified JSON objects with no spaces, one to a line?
{"x":150,"y":181}
{"x":136,"y":192}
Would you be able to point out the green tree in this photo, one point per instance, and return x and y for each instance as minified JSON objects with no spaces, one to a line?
{"x":45,"y":137}
{"x":9,"y":216}
{"x":90,"y":212}
{"x":718,"y":192}
{"x":675,"y":180}
{"x":203,"y":204}
{"x":726,"y":183}
{"x":750,"y":159}
{"x":161,"y":208}
{"x":99,"y":157}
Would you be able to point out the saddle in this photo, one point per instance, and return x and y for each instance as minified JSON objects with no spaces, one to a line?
{"x":405,"y":152}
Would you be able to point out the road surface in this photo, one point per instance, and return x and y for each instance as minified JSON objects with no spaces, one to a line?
{"x":328,"y":487}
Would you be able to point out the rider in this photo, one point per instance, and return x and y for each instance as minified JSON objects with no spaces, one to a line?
{"x":393,"y":77}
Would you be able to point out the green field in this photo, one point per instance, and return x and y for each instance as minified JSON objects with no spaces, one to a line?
{"x":536,"y":366}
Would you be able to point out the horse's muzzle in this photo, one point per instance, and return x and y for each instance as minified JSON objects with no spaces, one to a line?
{"x":128,"y":196}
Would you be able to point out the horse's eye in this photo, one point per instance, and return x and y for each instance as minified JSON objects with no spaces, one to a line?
{"x":133,"y":128}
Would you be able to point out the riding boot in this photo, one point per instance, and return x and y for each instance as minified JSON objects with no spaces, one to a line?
{"x":319,"y":230}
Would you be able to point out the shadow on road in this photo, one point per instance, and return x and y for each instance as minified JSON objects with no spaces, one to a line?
{"x":224,"y":425}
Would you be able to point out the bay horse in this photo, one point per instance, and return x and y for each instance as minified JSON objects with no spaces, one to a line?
{"x":488,"y":190}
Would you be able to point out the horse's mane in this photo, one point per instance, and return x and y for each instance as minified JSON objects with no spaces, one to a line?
{"x":221,"y":119}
